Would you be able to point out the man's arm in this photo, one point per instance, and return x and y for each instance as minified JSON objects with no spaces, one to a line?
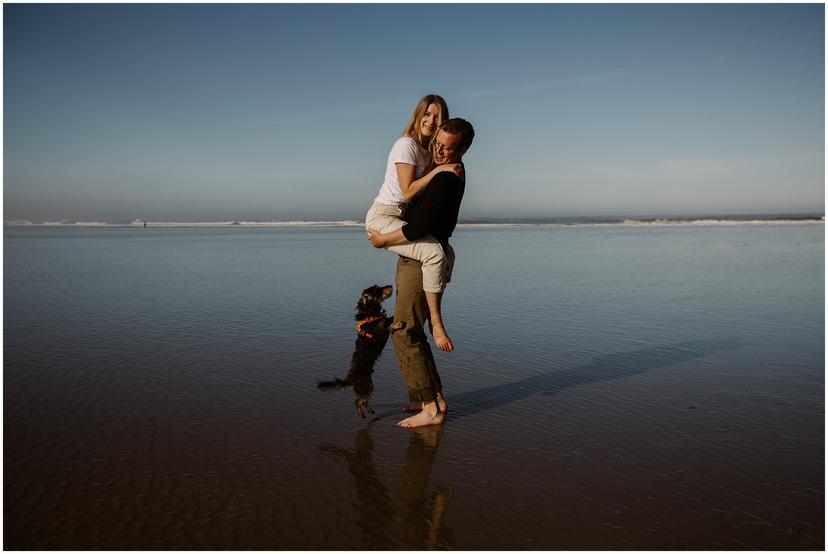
{"x":433,"y":206}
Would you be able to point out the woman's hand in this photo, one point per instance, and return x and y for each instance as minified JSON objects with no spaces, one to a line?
{"x":377,"y":239}
{"x":457,"y":169}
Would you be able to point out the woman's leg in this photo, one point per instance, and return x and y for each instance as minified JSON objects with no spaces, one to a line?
{"x":384,"y":219}
{"x":426,"y":250}
{"x":438,"y":330}
{"x":434,"y":304}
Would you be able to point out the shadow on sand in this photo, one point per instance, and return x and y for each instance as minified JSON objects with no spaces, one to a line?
{"x":602,"y":368}
{"x":408,"y":515}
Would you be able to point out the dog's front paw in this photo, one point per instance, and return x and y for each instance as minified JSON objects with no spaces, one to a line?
{"x":362,"y":404}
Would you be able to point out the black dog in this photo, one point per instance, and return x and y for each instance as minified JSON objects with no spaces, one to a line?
{"x":373,"y":328}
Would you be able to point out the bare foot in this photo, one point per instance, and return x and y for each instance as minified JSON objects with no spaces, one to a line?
{"x":441,"y":339}
{"x":415,"y":407}
{"x":429,"y":416}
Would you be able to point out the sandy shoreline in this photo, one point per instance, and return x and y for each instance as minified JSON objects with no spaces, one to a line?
{"x":611,"y":389}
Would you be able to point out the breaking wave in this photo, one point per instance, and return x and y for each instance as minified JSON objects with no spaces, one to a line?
{"x":685,"y":221}
{"x":243,"y":223}
{"x":650,"y":222}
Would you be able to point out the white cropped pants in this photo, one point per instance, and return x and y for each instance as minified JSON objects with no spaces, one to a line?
{"x":437,"y":263}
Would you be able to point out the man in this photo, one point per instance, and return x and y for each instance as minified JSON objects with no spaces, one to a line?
{"x":435,"y":213}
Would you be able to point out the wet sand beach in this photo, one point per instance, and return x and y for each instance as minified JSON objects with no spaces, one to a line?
{"x":612,"y":388}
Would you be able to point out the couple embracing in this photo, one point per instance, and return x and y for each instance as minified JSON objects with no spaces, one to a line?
{"x":413,"y":216}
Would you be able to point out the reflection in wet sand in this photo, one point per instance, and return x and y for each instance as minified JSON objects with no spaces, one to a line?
{"x":406,"y":516}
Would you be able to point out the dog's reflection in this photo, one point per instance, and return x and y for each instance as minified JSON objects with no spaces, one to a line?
{"x":407,"y":516}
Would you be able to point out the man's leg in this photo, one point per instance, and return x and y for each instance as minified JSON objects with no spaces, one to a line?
{"x":430,"y":252}
{"x":411,"y":346}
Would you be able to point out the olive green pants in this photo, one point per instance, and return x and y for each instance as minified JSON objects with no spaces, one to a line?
{"x":410,"y":344}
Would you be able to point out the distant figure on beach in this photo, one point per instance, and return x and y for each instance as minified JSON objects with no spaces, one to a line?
{"x":434,"y":214}
{"x":145,"y":223}
{"x":408,"y":173}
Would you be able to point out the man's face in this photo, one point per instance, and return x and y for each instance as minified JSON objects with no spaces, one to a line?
{"x":446,"y":148}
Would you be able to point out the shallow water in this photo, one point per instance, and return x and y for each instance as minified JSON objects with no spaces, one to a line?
{"x":630,"y":388}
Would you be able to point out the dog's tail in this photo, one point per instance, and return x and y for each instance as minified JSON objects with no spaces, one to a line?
{"x":336,"y":384}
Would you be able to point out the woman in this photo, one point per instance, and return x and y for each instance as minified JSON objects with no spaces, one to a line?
{"x":407,"y":175}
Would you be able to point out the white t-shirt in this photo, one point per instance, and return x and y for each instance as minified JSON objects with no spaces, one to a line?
{"x":407,"y":151}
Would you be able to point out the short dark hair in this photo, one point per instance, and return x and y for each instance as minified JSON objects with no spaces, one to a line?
{"x":459,"y":126}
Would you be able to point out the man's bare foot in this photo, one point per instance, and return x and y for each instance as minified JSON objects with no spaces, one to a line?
{"x":441,"y":339}
{"x":429,"y":416}
{"x":415,"y":407}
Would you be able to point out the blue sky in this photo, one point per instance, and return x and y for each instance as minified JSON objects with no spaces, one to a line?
{"x":205,"y":112}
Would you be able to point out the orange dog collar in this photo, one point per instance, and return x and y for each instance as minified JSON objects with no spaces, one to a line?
{"x":365,"y":321}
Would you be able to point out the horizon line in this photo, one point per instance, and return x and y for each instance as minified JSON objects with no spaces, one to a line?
{"x":651,"y":217}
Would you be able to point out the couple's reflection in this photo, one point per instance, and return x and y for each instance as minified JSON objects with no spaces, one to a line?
{"x":407,"y":516}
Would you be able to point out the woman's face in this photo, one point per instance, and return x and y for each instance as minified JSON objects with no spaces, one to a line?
{"x":430,"y":121}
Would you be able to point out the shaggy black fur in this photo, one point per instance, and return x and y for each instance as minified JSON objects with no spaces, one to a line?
{"x":369,"y":344}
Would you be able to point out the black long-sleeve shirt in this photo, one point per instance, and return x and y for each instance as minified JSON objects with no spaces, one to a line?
{"x":435,"y":211}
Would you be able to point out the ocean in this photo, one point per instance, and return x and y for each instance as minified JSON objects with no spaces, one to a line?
{"x":616,"y":384}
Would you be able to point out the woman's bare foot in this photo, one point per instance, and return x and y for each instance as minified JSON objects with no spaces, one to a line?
{"x":428,"y":416}
{"x":415,"y":407}
{"x":441,"y":339}
{"x":438,"y":331}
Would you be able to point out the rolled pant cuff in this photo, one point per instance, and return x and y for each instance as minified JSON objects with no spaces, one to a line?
{"x":428,"y":394}
{"x":433,"y":289}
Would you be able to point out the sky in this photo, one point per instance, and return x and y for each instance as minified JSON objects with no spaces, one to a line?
{"x":207,"y":112}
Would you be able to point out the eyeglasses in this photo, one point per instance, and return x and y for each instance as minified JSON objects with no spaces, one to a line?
{"x":438,"y":146}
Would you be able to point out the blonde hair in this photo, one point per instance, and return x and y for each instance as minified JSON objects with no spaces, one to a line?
{"x":413,"y":128}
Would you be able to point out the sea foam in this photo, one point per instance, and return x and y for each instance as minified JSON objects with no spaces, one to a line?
{"x":685,"y":221}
